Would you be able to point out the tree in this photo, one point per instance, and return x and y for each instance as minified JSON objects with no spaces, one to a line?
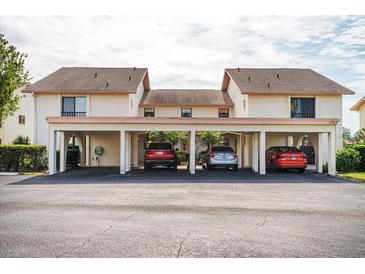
{"x":359,"y":137}
{"x":12,"y":76}
{"x":210,"y":138}
{"x":346,"y":136}
{"x":21,"y":140}
{"x":167,"y":136}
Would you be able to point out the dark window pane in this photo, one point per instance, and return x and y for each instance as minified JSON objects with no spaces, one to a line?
{"x":160,"y":146}
{"x":223,"y":112}
{"x":222,"y":149}
{"x":186,"y":112}
{"x":68,"y":104}
{"x":302,"y":108}
{"x":149,"y":112}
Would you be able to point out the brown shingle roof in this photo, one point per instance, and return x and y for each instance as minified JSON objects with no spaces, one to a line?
{"x":282,"y":81}
{"x":88,"y":79}
{"x":188,"y":97}
{"x":359,"y":104}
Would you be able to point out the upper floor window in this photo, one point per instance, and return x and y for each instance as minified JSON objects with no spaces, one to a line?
{"x":21,"y":119}
{"x":149,"y":112}
{"x":73,"y":106}
{"x":223,"y":112}
{"x":186,"y":112}
{"x":302,"y":108}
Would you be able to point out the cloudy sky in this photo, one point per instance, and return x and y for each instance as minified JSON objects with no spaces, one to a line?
{"x":192,"y":51}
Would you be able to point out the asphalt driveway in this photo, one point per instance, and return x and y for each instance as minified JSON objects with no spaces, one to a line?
{"x":98,"y":213}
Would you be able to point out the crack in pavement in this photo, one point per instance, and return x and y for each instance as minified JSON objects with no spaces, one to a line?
{"x":262,"y":224}
{"x":181,"y":245}
{"x":97,"y":234}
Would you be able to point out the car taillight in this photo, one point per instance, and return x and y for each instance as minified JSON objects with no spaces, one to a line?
{"x":211,"y":154}
{"x":304,"y":156}
{"x":234,"y":155}
{"x":149,"y":152}
{"x":280,"y":156}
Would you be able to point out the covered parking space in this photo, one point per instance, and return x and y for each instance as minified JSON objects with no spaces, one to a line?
{"x":254,"y":136}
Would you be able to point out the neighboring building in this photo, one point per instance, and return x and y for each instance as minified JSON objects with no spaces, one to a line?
{"x":21,"y":123}
{"x":114,"y":108}
{"x":360,"y":108}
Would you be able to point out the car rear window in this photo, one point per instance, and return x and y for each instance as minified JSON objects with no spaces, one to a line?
{"x":222,"y":149}
{"x":288,"y":149}
{"x":160,"y":146}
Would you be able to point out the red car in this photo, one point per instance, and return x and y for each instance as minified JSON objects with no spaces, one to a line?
{"x":285,"y":157}
{"x":160,"y":154}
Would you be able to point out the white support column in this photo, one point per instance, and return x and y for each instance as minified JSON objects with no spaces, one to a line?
{"x":128,"y":152}
{"x":82,"y":145}
{"x":255,"y":152}
{"x":319,"y":154}
{"x":246,"y":150}
{"x":239,"y":150}
{"x":289,"y":141}
{"x":122,"y":151}
{"x":262,"y":150}
{"x":332,"y":153}
{"x":62,"y":152}
{"x":192,"y":152}
{"x":52,"y":152}
{"x":135,"y":150}
{"x":87,"y":150}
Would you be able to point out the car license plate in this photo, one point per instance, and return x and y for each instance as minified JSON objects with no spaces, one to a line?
{"x":159,"y":152}
{"x":293,"y":158}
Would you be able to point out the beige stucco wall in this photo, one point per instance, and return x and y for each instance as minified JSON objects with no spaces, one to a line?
{"x":276,"y":139}
{"x":238,"y":98}
{"x":46,"y":105}
{"x":110,"y":141}
{"x":109,"y":104}
{"x":362,"y":116}
{"x":134,"y":100}
{"x":268,"y":106}
{"x":11,"y":128}
{"x":175,"y":111}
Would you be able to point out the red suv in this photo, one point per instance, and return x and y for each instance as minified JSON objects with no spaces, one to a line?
{"x":285,"y":157}
{"x":160,"y":154}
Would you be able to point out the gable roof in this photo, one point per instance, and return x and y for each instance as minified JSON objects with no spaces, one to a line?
{"x":282,"y":81}
{"x":92,"y":80}
{"x":188,"y":97}
{"x":359,"y":104}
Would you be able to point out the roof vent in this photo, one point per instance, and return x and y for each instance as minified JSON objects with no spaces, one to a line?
{"x":107,"y":84}
{"x":95,"y":75}
{"x":134,"y":68}
{"x":129,"y":78}
{"x":249,"y":78}
{"x":268,"y":85}
{"x":278,"y":76}
{"x":238,"y":69}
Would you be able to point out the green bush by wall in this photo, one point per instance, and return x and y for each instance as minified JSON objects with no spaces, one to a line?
{"x":23,"y":157}
{"x":347,"y":159}
{"x":361,"y":149}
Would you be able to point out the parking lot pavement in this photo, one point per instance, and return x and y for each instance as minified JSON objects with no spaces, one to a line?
{"x":98,"y":213}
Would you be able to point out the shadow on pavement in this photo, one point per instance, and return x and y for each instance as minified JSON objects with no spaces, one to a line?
{"x":107,"y":175}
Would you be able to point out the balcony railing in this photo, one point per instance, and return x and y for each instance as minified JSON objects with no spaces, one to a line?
{"x":73,"y":114}
{"x":303,"y":115}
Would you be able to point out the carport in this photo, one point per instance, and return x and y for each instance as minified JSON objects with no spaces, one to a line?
{"x":254,"y":136}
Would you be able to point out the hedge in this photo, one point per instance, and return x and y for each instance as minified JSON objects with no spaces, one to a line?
{"x":361,"y":149}
{"x":347,"y":159}
{"x":23,"y":157}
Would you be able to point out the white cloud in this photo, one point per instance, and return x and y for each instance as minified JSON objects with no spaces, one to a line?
{"x":192,"y":51}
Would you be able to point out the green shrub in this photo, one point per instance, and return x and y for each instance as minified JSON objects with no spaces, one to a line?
{"x":361,"y":149}
{"x":347,"y":159}
{"x":21,"y":140}
{"x":23,"y":157}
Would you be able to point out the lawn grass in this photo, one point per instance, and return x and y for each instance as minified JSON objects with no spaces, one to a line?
{"x":358,"y":176}
{"x":33,"y":173}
